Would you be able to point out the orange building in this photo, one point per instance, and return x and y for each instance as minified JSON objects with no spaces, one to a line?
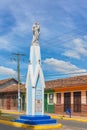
{"x":67,"y":93}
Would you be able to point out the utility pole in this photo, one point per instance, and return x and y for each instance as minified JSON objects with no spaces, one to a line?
{"x":18,"y":55}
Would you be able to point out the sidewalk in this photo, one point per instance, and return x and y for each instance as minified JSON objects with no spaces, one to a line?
{"x":66,"y":117}
{"x":25,"y":125}
{"x":12,"y":112}
{"x":55,"y":116}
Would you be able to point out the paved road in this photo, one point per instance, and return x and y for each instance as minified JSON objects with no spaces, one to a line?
{"x":67,"y":125}
{"x":7,"y":127}
{"x":72,"y":125}
{"x":71,"y":128}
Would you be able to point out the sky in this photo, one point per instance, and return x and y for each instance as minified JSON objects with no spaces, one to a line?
{"x":63,"y":36}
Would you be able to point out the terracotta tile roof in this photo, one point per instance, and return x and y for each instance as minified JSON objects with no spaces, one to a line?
{"x":6,"y":80}
{"x":67,"y":82}
{"x":13,"y":88}
{"x":59,"y":83}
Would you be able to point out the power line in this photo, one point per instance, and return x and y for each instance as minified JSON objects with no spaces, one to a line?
{"x":61,"y":39}
{"x":70,"y":74}
{"x":68,"y":32}
{"x":76,"y":72}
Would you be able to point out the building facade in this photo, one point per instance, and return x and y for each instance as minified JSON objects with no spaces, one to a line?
{"x":9,"y":94}
{"x":68,"y":93}
{"x":59,"y":95}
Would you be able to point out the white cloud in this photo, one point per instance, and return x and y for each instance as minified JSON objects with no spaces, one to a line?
{"x":79,"y":46}
{"x":72,"y":54}
{"x":76,"y":49}
{"x":85,"y":37}
{"x":24,"y":15}
{"x":3,"y":43}
{"x":63,"y":66}
{"x":7,"y":71}
{"x":6,"y":44}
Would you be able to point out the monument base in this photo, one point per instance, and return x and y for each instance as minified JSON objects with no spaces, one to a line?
{"x":35,"y":120}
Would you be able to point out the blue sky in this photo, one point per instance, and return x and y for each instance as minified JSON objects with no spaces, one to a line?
{"x":63,"y":36}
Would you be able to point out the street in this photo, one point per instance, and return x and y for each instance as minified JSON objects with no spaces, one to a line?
{"x":72,"y":125}
{"x":67,"y":125}
{"x":7,"y":127}
{"x":71,"y":128}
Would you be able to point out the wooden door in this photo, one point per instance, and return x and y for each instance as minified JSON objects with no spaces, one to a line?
{"x":8,"y":103}
{"x":67,"y":101}
{"x":77,"y":101}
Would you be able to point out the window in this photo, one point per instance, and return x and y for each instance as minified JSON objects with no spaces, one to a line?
{"x":58,"y":95}
{"x":51,"y":96}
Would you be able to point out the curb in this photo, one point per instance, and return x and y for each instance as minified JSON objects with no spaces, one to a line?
{"x":52,"y":116}
{"x":66,"y":118}
{"x":14,"y":113}
{"x":31,"y":127}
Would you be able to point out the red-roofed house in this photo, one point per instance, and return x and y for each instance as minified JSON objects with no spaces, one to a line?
{"x":9,"y":94}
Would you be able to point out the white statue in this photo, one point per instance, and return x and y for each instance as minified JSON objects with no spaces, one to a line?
{"x":36,"y":33}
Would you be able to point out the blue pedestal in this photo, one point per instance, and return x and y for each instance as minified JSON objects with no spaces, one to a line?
{"x":36,"y":120}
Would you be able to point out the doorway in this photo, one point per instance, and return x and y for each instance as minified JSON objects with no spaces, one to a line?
{"x":8,"y":105}
{"x":45,"y":102}
{"x":77,"y":101}
{"x":67,"y":101}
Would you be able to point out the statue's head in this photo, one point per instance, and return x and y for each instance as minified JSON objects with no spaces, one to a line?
{"x":36,"y":23}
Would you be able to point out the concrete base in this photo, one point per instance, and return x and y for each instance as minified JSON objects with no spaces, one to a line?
{"x":36,"y":120}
